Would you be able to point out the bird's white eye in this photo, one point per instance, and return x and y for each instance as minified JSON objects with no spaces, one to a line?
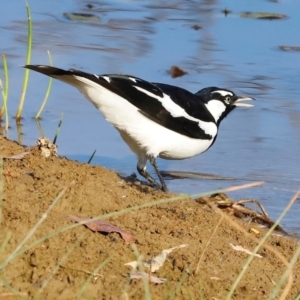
{"x":227,"y":100}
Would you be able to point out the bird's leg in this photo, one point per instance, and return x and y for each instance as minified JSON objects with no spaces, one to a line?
{"x":146,"y":175}
{"x":141,"y":167}
{"x":163,"y":184}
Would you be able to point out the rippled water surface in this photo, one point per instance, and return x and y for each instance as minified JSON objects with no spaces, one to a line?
{"x":145,"y":38}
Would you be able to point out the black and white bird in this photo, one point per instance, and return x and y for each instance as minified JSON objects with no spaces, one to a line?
{"x":154,"y":119}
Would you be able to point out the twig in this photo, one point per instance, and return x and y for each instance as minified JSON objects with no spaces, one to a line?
{"x":255,"y":202}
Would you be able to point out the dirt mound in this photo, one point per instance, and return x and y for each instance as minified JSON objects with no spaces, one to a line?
{"x":60,"y":263}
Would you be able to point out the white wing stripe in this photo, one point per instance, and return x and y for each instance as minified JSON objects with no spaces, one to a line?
{"x":106,"y":78}
{"x":133,"y":79}
{"x":177,"y":111}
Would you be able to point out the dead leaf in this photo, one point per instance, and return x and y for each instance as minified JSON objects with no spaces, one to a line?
{"x":103,"y":226}
{"x":17,"y":156}
{"x":242,"y":249}
{"x":176,"y":72}
{"x":156,"y":262}
{"x":150,"y":278}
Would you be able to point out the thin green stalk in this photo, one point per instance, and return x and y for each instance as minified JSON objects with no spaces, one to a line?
{"x":140,"y":265}
{"x":19,"y":131}
{"x":39,"y":126}
{"x":58,"y":265}
{"x":4,"y":91}
{"x":48,"y":90}
{"x":188,"y":295}
{"x":5,"y":242}
{"x":92,"y":156}
{"x":284,"y":277}
{"x":201,"y":289}
{"x":119,"y":213}
{"x":28,"y":59}
{"x":4,"y":108}
{"x":34,"y":228}
{"x":178,"y":286}
{"x":259,"y":245}
{"x":102,"y":217}
{"x":125,"y":289}
{"x":207,"y":243}
{"x":91,"y":277}
{"x":1,"y":188}
{"x":58,"y":129}
{"x":12,"y":290}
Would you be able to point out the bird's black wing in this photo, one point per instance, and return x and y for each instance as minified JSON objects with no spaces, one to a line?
{"x":152,"y":99}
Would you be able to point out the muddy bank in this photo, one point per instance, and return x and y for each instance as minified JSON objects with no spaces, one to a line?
{"x":90,"y":265}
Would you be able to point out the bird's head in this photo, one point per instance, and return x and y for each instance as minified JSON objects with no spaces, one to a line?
{"x":220,"y":102}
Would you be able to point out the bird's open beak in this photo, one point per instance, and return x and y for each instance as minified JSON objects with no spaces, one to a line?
{"x":239,"y":102}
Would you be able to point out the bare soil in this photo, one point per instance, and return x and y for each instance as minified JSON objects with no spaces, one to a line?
{"x":90,"y":265}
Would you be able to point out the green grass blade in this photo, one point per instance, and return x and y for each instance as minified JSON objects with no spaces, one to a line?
{"x":15,"y":293}
{"x":59,"y":264}
{"x":178,"y":286}
{"x":285,"y":275}
{"x":48,"y":90}
{"x":259,"y":245}
{"x":1,"y":188}
{"x":87,"y":282}
{"x":119,"y":213}
{"x":28,"y":59}
{"x":2,"y":92}
{"x":19,"y":132}
{"x":40,"y":128}
{"x":92,"y":156}
{"x":5,"y":241}
{"x":13,"y":254}
{"x":4,"y":89}
{"x":139,"y":258}
{"x":298,"y":296}
{"x":58,"y":129}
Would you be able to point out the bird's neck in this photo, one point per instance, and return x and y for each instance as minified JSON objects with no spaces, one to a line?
{"x":224,"y":114}
{"x":216,"y":108}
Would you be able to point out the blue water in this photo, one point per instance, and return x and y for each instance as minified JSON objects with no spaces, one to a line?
{"x":145,"y":38}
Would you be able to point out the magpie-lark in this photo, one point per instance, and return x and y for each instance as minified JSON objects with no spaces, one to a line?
{"x":154,"y":119}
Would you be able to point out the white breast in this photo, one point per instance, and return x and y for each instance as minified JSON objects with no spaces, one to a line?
{"x":139,"y":132}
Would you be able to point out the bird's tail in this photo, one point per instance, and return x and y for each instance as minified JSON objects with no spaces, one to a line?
{"x":67,"y":76}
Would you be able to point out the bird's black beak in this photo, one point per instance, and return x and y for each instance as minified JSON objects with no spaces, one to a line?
{"x":239,"y":102}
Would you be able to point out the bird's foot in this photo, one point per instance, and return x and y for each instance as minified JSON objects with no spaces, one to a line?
{"x":152,"y":181}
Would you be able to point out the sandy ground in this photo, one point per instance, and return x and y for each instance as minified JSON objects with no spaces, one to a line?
{"x":91,"y":265}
